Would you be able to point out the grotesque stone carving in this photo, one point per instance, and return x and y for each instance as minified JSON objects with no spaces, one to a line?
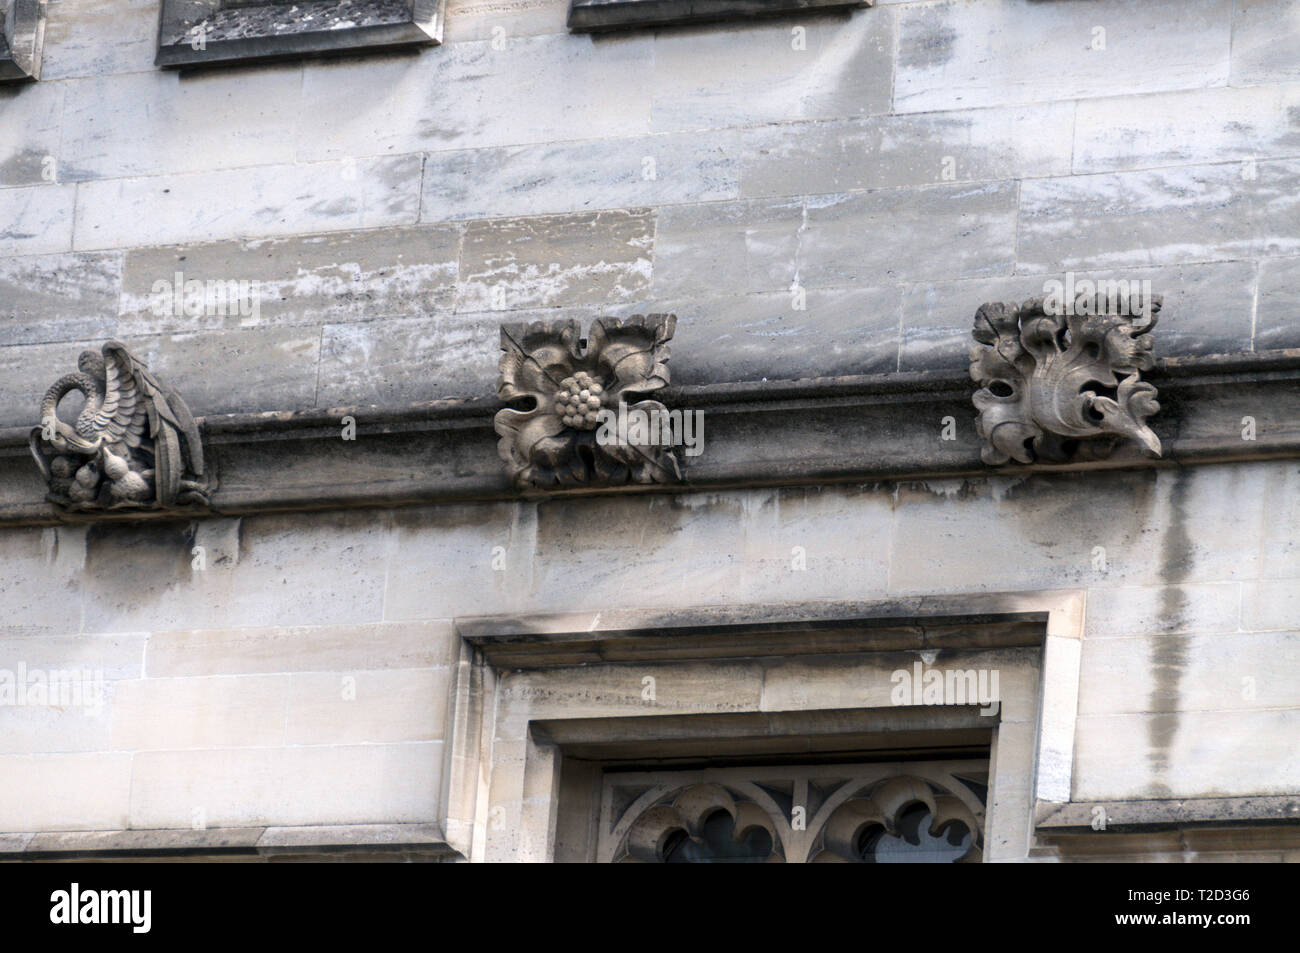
{"x":569,"y":394}
{"x":1056,"y":387}
{"x":133,"y":445}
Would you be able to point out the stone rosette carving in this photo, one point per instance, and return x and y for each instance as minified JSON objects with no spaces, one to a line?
{"x":1061,"y":387}
{"x":559,"y":385}
{"x":133,"y":445}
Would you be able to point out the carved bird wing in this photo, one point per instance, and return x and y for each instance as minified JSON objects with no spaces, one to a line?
{"x":122,"y":415}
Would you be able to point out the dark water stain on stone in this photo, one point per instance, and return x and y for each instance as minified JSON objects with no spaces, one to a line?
{"x":1169,"y":653}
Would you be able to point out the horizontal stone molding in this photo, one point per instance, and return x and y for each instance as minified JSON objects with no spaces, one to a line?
{"x":224,"y":841}
{"x":591,"y":16}
{"x":218,"y":32}
{"x":1158,"y":814}
{"x":756,"y":434}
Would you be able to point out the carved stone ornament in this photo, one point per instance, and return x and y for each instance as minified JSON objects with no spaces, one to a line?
{"x":133,"y":445}
{"x":568,"y":397}
{"x":1061,"y":387}
{"x":924,"y":816}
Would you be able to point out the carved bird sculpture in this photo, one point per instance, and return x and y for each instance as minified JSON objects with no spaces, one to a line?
{"x":128,"y":422}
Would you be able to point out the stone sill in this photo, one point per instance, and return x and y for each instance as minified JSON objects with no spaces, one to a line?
{"x":757,"y":434}
{"x":228,"y":840}
{"x":1162,"y":815}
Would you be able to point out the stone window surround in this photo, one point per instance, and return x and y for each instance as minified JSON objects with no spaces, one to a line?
{"x":592,"y":16}
{"x":22,"y":35}
{"x":501,"y":806}
{"x":244,"y":31}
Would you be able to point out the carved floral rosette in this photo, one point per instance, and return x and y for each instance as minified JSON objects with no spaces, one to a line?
{"x":557,"y":385}
{"x":1061,"y":387}
{"x":133,"y":445}
{"x":927,"y":815}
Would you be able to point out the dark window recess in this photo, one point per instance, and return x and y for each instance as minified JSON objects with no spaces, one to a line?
{"x":591,"y":16}
{"x":202,"y":32}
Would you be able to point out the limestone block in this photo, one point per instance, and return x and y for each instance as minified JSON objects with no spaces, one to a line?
{"x":75,"y":32}
{"x":338,"y":708}
{"x":598,"y":258}
{"x":1179,"y":673}
{"x":1188,"y":754}
{"x":961,"y":55}
{"x":59,"y":792}
{"x":275,"y":200}
{"x":1161,"y":216}
{"x":574,"y":89}
{"x":317,"y":784}
{"x":1263,"y":47}
{"x":942,"y":231}
{"x":480,"y":19}
{"x":563,"y":176}
{"x":727,"y":248}
{"x":1201,"y":126}
{"x":307,"y":280}
{"x":40,"y":582}
{"x":1122,"y":612}
{"x":70,"y":297}
{"x":1272,"y":604}
{"x":217,"y":712}
{"x":29,"y":134}
{"x":1279,"y":303}
{"x":908,"y":150}
{"x":36,"y":220}
{"x":156,"y":123}
{"x":324,"y":648}
{"x":817,"y":68}
{"x":783,"y":335}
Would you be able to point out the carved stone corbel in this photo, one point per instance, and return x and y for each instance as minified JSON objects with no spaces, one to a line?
{"x":133,"y":445}
{"x":1057,"y":387}
{"x":570,"y":399}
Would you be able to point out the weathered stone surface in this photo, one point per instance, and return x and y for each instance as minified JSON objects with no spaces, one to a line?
{"x":21,"y":39}
{"x":314,"y":279}
{"x":71,"y":297}
{"x":274,"y":200}
{"x":600,"y":258}
{"x":209,"y":32}
{"x":75,"y":31}
{"x":1162,"y":216}
{"x":1208,"y":125}
{"x":596,"y":15}
{"x":156,"y":123}
{"x":1193,"y":754}
{"x":1263,"y":47}
{"x":40,"y":581}
{"x":837,"y":331}
{"x":892,"y":151}
{"x":575,"y":89}
{"x":726,"y":248}
{"x":842,"y":71}
{"x":29,"y":133}
{"x":387,"y":707}
{"x":1127,"y":612}
{"x":36,"y":220}
{"x":1177,"y":673}
{"x":1272,"y":604}
{"x":909,"y":234}
{"x":1207,"y":310}
{"x":559,"y":177}
{"x":323,"y":648}
{"x":247,"y":711}
{"x":1277,"y":325}
{"x":244,"y":787}
{"x":481,"y":19}
{"x":955,"y":55}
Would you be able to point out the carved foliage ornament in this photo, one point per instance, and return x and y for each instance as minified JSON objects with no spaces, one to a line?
{"x":133,"y":445}
{"x":1059,"y":387}
{"x":566,"y":395}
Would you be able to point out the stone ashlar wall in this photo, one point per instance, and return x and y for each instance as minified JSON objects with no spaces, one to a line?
{"x":225,"y":686}
{"x":909,"y":162}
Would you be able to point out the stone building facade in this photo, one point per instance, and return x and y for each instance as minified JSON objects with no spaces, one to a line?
{"x":379,"y":598}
